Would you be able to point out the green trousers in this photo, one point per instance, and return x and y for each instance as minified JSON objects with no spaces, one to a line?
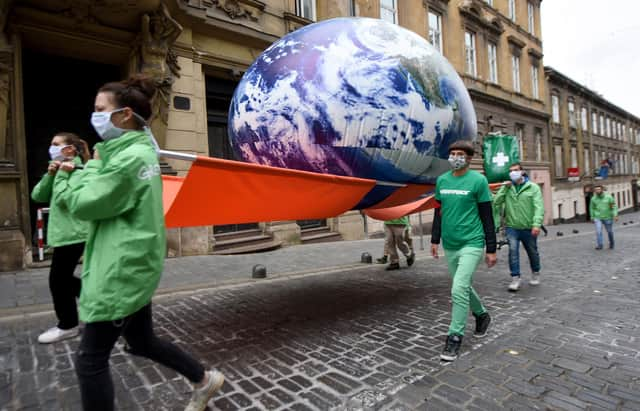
{"x":462,"y":264}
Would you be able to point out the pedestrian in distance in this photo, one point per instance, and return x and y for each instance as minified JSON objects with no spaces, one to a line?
{"x":523,"y":214}
{"x":603,"y":211}
{"x":120,"y":195}
{"x":464,"y":222}
{"x":395,"y":235}
{"x":407,"y":239}
{"x":65,"y":234}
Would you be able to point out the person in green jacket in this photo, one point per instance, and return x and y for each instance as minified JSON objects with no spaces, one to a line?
{"x":603,"y":211}
{"x":407,"y":239}
{"x":523,"y":215}
{"x":395,"y":234}
{"x":65,"y":234}
{"x":120,"y":195}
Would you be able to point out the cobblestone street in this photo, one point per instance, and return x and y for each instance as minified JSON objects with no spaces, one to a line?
{"x":364,"y":338}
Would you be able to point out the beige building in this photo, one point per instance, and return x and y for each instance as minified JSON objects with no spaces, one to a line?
{"x":55,"y":53}
{"x":587,"y":131}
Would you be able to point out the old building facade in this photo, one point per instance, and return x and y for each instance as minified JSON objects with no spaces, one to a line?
{"x":56,"y":53}
{"x":588,"y":133}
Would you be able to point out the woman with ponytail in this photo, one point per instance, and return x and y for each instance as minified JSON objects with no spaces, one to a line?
{"x":65,"y":234}
{"x":120,"y":195}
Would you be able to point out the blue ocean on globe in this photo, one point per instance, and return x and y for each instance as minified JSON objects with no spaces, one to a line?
{"x":353,"y":97}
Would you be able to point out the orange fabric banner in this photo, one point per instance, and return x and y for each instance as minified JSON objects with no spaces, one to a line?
{"x":424,"y":204}
{"x":404,"y":195}
{"x":217,"y":192}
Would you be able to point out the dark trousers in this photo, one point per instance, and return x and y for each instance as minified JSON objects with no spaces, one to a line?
{"x":530,"y":243}
{"x":98,"y":339}
{"x":64,"y":286}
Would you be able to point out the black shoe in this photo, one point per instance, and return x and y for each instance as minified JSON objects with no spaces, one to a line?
{"x":451,"y":348}
{"x":598,"y":248}
{"x":411,"y":259}
{"x":393,"y":266}
{"x":382,"y":260}
{"x":482,"y":324}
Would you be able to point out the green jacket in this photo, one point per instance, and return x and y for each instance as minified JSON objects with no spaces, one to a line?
{"x":62,"y":228}
{"x":398,"y":221}
{"x":121,"y":196}
{"x":603,"y":208}
{"x":523,"y":207}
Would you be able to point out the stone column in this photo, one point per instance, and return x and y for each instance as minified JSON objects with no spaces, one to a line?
{"x":350,"y":225}
{"x":286,"y":231}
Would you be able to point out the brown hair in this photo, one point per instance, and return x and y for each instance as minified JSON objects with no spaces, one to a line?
{"x":82,"y":149}
{"x":516,"y":164}
{"x":464,"y":145}
{"x":135,"y":93}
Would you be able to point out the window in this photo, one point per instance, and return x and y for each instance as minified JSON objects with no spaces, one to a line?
{"x":489,"y":2}
{"x":572,"y":113}
{"x":587,"y":162}
{"x":538,"y":144}
{"x":470,"y":52}
{"x":594,"y":122}
{"x":306,"y":9}
{"x":555,"y":108}
{"x":512,"y":10}
{"x":515,"y":72}
{"x":608,"y":128}
{"x":531,"y":18}
{"x":492,"y":51}
{"x":388,"y":11}
{"x":535,"y":89}
{"x":435,"y":30}
{"x":352,"y":7}
{"x":574,"y":157}
{"x":557,"y":150}
{"x":520,"y":138}
{"x":601,"y":124}
{"x":583,"y":118}
{"x":623,"y":132}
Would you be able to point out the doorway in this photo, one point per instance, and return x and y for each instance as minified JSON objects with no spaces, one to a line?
{"x":58,"y":96}
{"x":219,"y":95}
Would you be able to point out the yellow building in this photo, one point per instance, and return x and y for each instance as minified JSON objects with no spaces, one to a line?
{"x":55,"y":53}
{"x":587,"y":131}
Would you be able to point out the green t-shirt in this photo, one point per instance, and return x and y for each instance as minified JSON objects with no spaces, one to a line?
{"x":459,"y":198}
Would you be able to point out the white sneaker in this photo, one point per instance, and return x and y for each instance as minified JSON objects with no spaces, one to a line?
{"x":535,"y":279}
{"x":515,"y":284}
{"x":201,"y":396}
{"x":56,"y":334}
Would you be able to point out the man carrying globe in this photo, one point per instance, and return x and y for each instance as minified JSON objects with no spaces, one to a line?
{"x":464,"y":221}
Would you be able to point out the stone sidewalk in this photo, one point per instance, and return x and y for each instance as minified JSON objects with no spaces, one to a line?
{"x":360,"y":338}
{"x":27,"y":291}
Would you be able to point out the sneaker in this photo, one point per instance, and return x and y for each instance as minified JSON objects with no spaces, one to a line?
{"x":515,"y":284}
{"x":393,"y":266}
{"x":56,"y":334}
{"x":451,"y":348}
{"x":535,"y":279}
{"x":382,"y":260}
{"x":411,"y":259}
{"x":201,"y":396}
{"x":598,"y":248}
{"x":482,"y":324}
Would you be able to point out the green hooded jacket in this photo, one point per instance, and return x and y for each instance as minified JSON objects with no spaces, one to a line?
{"x":62,"y":228}
{"x":121,"y":196}
{"x":398,"y":221}
{"x":603,"y":208}
{"x":523,"y":206}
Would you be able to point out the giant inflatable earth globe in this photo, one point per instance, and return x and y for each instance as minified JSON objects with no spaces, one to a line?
{"x":354,"y":97}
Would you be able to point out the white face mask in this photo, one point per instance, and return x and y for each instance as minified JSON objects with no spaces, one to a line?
{"x":55,"y":152}
{"x":457,"y":162}
{"x":515,"y":175}
{"x":101,"y":122}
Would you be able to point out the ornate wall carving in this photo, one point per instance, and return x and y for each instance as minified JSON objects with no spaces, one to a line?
{"x":158,"y":61}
